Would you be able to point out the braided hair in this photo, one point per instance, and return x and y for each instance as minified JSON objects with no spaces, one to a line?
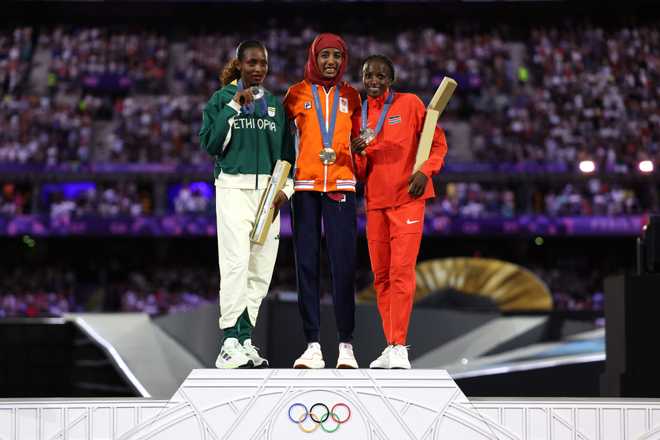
{"x":383,"y":59}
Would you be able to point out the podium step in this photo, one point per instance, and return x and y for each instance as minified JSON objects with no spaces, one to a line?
{"x":292,"y":404}
{"x":327,"y":404}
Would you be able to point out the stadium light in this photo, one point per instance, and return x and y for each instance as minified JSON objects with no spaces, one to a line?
{"x":587,"y":166}
{"x":646,"y":166}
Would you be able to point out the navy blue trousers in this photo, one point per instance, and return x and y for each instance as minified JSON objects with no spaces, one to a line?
{"x":309,"y":208}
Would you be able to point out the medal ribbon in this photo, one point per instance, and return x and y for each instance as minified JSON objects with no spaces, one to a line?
{"x":326,"y":135}
{"x":383,"y":112}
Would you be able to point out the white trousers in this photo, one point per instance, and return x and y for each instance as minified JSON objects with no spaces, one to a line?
{"x":245,"y":268}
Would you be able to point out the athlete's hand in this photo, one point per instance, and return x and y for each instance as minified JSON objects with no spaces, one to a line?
{"x":417,"y":184}
{"x":243,"y":97}
{"x":358,"y":145}
{"x":280,"y":199}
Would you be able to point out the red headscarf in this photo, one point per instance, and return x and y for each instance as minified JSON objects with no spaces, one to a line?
{"x":312,"y":72}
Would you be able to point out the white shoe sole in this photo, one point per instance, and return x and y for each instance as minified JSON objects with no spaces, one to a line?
{"x":309,"y":365}
{"x":346,"y":366}
{"x":233,"y":366}
{"x":400,"y":367}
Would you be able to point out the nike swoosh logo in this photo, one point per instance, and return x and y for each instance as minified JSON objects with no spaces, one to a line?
{"x":410,"y":222}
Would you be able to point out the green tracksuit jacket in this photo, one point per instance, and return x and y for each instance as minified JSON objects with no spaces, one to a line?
{"x":241,"y":143}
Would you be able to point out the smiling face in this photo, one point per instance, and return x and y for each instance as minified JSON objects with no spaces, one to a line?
{"x":376,"y":77}
{"x":328,"y":61}
{"x":253,"y":66}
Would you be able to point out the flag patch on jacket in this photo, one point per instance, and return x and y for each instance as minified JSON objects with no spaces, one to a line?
{"x":343,"y":105}
{"x":394,"y":119}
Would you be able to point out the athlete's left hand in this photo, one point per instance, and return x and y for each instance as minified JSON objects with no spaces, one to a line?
{"x":417,"y":184}
{"x":280,"y":199}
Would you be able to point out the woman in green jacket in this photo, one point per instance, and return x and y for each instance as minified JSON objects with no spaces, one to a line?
{"x":246,"y":134}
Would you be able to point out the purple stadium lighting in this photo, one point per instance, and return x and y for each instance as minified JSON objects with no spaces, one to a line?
{"x":587,"y":166}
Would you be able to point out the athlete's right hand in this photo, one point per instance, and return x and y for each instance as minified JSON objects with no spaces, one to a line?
{"x":243,"y":97}
{"x":358,"y":145}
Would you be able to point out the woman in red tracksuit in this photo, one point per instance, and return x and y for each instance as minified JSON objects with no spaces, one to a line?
{"x":395,"y":198}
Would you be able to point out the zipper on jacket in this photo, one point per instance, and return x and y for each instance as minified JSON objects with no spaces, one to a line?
{"x":256,"y":177}
{"x":327,"y":127}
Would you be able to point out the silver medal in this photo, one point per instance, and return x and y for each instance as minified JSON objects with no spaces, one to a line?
{"x":257,"y":92}
{"x":367,"y":134}
{"x":328,"y":156}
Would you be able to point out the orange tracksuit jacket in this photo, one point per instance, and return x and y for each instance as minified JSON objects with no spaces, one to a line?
{"x":395,"y":220}
{"x":310,"y":174}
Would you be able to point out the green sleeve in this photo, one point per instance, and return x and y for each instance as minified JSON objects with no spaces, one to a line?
{"x":215,"y":124}
{"x":288,"y":141}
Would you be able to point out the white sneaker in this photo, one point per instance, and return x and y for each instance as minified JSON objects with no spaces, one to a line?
{"x":252,"y":353}
{"x":311,"y":358}
{"x":346,"y":359}
{"x":383,"y":361}
{"x":232,"y":355}
{"x":399,"y":357}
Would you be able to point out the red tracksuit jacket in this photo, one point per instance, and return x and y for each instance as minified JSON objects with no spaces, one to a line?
{"x":391,"y":156}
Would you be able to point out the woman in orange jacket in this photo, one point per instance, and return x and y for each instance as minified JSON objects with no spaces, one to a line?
{"x":325,"y":111}
{"x":395,"y":197}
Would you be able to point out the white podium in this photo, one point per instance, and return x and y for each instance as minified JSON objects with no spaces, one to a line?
{"x":315,"y":404}
{"x":298,"y":404}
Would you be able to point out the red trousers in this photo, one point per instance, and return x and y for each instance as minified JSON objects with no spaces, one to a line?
{"x":394,"y":236}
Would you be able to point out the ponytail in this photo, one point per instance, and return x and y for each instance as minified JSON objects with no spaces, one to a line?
{"x":230,"y":72}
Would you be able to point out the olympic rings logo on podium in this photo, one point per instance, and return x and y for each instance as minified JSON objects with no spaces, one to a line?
{"x":319,"y":413}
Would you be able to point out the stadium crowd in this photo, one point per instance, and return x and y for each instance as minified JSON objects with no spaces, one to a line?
{"x":596,"y":198}
{"x":421,"y":58}
{"x":110,"y":200}
{"x":52,"y":291}
{"x":42,"y":130}
{"x":581,"y":94}
{"x":162,"y":130}
{"x":559,"y":97}
{"x":93,"y":57}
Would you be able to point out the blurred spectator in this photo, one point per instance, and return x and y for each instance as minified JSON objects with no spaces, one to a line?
{"x":189,"y":200}
{"x":15,"y":56}
{"x":14,"y":200}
